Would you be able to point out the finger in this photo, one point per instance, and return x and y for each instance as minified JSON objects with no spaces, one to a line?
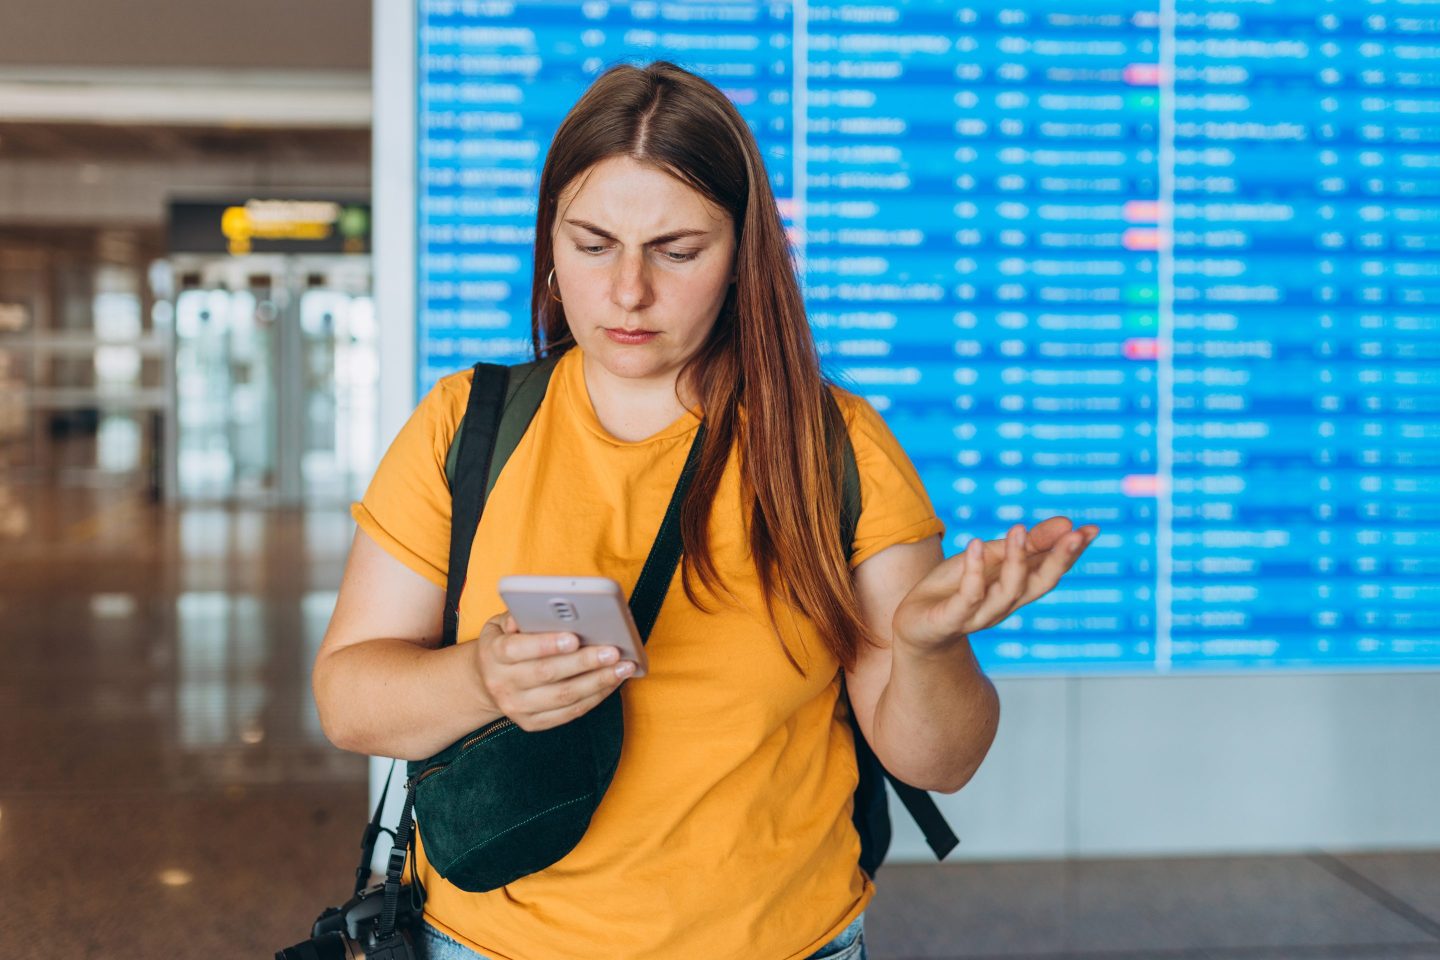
{"x":1083,"y":535}
{"x":1045,"y":534}
{"x":543,"y":671}
{"x":510,"y":626}
{"x":1039,"y":538}
{"x":1004,"y":596}
{"x":562,"y":703}
{"x":947,"y":574}
{"x":520,"y":647}
{"x":1058,"y":560}
{"x":971,"y":589}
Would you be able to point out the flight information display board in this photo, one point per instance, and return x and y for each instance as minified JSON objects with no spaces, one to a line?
{"x":1174,"y":271}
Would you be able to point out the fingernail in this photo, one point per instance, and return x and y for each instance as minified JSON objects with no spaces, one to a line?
{"x":569,"y":642}
{"x":625,"y":669}
{"x":609,"y":655}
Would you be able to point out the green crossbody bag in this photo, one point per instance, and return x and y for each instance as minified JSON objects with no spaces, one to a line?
{"x":501,"y":802}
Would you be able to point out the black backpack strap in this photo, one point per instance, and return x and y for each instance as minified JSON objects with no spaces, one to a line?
{"x":871,"y":813}
{"x":524,"y":390}
{"x":503,"y":401}
{"x":849,"y":469}
{"x":528,"y":383}
{"x":928,"y":817}
{"x":472,"y":448}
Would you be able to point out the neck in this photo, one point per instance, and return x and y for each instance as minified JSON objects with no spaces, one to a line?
{"x":633,"y":409}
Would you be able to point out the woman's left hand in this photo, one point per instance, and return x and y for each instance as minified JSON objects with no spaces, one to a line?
{"x":985,"y":583}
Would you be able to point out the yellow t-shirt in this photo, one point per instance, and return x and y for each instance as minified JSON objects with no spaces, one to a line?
{"x":726,"y":832}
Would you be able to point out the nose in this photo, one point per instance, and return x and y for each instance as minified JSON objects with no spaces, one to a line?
{"x":630,"y":286}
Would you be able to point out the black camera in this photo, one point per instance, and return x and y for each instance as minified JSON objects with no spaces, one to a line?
{"x":350,"y":932}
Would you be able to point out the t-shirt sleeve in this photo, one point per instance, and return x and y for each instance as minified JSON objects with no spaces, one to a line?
{"x":406,"y":508}
{"x":894,"y":507}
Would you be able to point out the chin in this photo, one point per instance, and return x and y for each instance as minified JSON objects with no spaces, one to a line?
{"x":634,"y":368}
{"x":625,"y":361}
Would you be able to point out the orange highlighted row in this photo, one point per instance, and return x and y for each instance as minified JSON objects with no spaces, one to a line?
{"x":1142,"y":211}
{"x":1143,"y":74}
{"x":1142,"y":348}
{"x":1141,"y":485}
{"x":1141,"y":239}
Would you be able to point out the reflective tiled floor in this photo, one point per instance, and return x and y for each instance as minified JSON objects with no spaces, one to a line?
{"x":166,"y":790}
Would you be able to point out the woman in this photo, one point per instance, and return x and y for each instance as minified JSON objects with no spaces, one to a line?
{"x":663,"y":280}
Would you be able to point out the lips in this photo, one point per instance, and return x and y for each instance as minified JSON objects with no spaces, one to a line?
{"x":621,"y":335}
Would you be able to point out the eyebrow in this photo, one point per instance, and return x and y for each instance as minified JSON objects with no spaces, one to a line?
{"x":663,"y":238}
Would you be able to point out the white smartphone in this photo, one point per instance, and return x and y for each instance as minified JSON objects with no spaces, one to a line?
{"x":592,"y":608}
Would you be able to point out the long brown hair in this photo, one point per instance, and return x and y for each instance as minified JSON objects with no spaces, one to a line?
{"x":761,"y":353}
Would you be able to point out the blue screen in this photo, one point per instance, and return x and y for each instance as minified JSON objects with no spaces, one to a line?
{"x":1172,"y":270}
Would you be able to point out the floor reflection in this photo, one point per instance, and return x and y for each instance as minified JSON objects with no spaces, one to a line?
{"x":163,"y":756}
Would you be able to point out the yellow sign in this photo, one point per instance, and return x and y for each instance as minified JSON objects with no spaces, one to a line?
{"x":278,"y":220}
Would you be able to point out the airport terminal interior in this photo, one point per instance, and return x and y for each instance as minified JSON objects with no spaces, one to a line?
{"x":183,"y":423}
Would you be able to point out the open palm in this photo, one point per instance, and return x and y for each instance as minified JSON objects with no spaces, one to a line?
{"x":986,"y":582}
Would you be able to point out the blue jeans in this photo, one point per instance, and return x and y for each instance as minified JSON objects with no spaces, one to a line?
{"x":431,"y":944}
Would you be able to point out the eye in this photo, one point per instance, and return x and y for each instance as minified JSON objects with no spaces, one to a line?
{"x":592,"y":250}
{"x":677,"y":256}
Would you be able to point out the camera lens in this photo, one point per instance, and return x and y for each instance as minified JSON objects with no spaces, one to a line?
{"x":329,"y":946}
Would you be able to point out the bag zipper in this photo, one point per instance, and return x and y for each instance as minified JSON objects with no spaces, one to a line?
{"x":502,"y":724}
{"x":499,"y":725}
{"x":414,"y":781}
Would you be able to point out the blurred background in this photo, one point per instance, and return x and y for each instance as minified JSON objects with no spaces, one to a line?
{"x":1166,"y":267}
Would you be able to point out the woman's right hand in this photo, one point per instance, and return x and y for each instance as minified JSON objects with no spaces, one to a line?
{"x":544,"y":680}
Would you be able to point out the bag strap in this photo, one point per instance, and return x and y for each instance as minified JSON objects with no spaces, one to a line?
{"x":849,"y":473}
{"x":938,"y":835}
{"x":372,"y":835}
{"x":395,"y":870}
{"x":921,"y":805}
{"x":503,"y":401}
{"x":525,"y":386}
{"x":665,"y":552}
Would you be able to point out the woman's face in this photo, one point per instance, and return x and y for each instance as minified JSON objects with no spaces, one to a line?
{"x":643,"y":263}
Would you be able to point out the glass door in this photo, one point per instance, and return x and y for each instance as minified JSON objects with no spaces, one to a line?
{"x":339,"y":378}
{"x":276,"y":369}
{"x":227,"y":314}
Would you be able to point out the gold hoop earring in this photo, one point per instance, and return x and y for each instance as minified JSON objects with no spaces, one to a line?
{"x":548,"y":288}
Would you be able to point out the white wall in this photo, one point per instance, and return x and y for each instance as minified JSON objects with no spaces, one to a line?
{"x":393,"y":241}
{"x":1097,"y":767}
